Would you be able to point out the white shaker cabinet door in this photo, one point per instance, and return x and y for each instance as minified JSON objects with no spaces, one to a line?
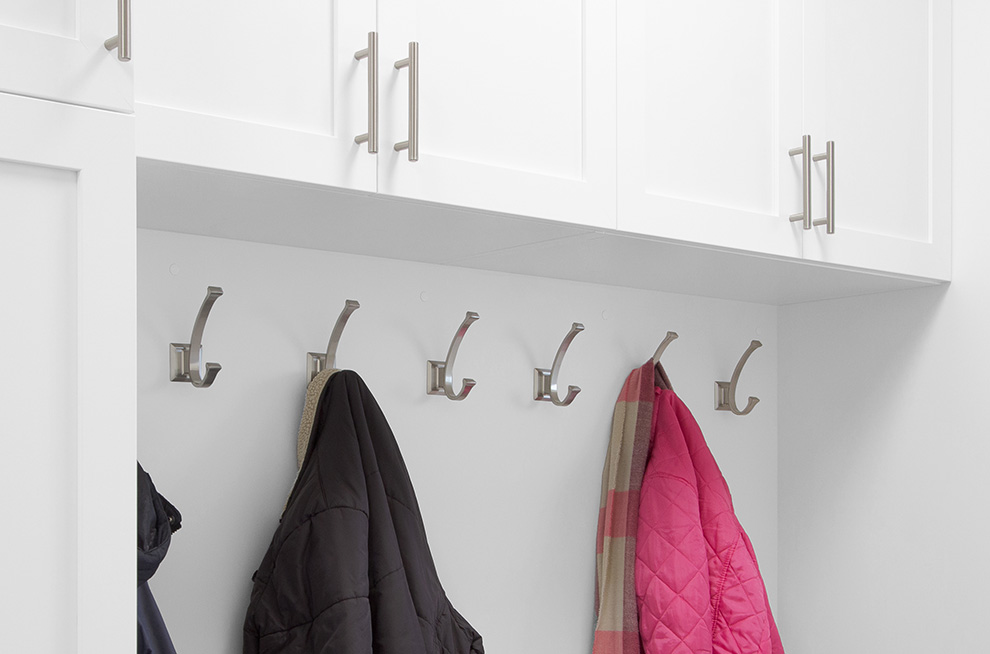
{"x":53,"y":49}
{"x":516,"y":106}
{"x":708,"y":99}
{"x":258,"y":87}
{"x":67,"y":455}
{"x":877,"y":83}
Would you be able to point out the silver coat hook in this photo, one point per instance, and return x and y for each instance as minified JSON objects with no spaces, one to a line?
{"x":317,"y":362}
{"x":185,"y":358}
{"x":545,"y":381}
{"x":439,"y":375}
{"x":725,"y":392}
{"x":668,"y":339}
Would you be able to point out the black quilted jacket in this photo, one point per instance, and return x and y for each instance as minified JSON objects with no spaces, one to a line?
{"x":349,"y":570}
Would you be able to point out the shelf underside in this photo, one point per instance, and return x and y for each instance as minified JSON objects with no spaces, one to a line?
{"x":214,"y":203}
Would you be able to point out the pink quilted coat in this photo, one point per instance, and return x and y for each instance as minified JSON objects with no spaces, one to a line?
{"x":698,"y":586}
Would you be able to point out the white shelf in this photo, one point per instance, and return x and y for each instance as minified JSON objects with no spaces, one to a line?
{"x":207,"y":202}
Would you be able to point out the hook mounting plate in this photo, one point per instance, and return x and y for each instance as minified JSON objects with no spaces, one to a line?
{"x":434,"y":377}
{"x":316,"y":362}
{"x":435,"y":381}
{"x":722,"y":396}
{"x":178,"y":362}
{"x":543,"y":387}
{"x":541,"y":384}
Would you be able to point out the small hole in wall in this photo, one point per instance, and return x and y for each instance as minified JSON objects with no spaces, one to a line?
{"x":173,"y":269}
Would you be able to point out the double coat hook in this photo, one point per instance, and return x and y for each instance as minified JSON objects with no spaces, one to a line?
{"x":439,"y":374}
{"x":185,"y":358}
{"x":725,"y":392}
{"x":545,"y":380}
{"x":317,"y":362}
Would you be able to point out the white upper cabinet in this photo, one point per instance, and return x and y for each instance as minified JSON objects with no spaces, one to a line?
{"x":673,"y":120}
{"x":877,"y":84}
{"x":516,"y":106}
{"x":54,"y":49}
{"x":707,"y":111}
{"x":256,"y":87}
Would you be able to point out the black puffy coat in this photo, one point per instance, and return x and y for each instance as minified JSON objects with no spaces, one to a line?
{"x":349,"y":570}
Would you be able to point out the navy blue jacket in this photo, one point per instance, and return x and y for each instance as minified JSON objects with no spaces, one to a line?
{"x":157,"y":519}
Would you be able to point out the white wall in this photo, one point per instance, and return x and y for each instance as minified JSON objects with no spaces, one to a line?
{"x":509,"y":487}
{"x":884,"y":490}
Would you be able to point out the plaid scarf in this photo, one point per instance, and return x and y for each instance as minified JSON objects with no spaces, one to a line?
{"x":617,"y":631}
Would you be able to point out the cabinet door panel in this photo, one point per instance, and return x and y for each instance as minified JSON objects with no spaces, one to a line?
{"x":256,"y":87}
{"x":39,"y":235}
{"x":53,"y":49}
{"x":67,"y":261}
{"x":56,"y":17}
{"x":516,"y":106}
{"x":872,"y":74}
{"x":702,"y":139}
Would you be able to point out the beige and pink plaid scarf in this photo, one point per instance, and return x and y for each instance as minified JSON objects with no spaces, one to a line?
{"x":617,"y":631}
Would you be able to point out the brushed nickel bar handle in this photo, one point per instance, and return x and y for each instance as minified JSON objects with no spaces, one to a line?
{"x":122,"y":40}
{"x":805,"y":152}
{"x":829,"y":157}
{"x":412,"y":61}
{"x":371,"y":52}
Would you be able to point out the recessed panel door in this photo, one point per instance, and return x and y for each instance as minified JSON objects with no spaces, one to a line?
{"x":514,"y":110}
{"x":265,"y":88}
{"x":877,"y":84}
{"x":708,"y":99}
{"x":53,"y":49}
